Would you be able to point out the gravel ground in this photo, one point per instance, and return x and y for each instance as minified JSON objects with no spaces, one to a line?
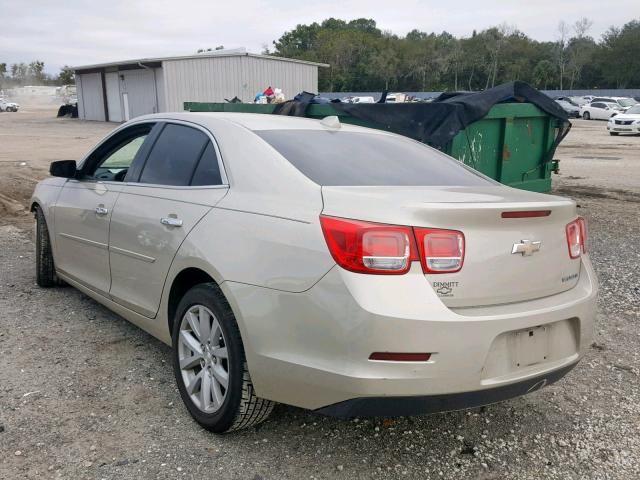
{"x":85,"y":394}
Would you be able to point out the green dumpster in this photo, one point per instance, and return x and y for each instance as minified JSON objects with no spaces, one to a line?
{"x":513,"y":144}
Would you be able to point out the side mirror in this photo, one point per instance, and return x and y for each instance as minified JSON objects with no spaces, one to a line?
{"x":63,"y":168}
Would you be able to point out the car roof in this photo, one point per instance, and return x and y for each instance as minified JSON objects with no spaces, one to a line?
{"x":255,"y":121}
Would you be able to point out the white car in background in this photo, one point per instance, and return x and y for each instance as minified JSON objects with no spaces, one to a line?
{"x":600,"y":110}
{"x":627,"y":122}
{"x":624,"y":102}
{"x":7,"y":106}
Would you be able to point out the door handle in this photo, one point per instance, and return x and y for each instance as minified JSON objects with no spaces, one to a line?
{"x":171,"y":222}
{"x":101,"y":211}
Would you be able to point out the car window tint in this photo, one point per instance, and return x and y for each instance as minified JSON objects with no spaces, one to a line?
{"x":174,"y":156}
{"x":113,"y":158}
{"x":207,"y":172}
{"x":354,"y":158}
{"x":123,"y":157}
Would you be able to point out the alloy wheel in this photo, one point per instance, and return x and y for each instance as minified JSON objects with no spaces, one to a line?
{"x":203,"y":357}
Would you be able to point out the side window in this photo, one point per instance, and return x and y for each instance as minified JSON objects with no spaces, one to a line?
{"x":597,"y":105}
{"x":174,"y":156}
{"x":207,"y":172}
{"x":112,"y":160}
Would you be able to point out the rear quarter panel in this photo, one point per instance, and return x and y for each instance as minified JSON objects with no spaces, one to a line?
{"x":262,"y":250}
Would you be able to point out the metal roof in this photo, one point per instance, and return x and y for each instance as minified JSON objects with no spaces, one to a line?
{"x":195,"y":56}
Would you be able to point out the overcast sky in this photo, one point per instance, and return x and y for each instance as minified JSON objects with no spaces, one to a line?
{"x":80,"y":32}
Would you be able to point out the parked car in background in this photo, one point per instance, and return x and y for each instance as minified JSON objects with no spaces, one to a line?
{"x":579,"y":101}
{"x":624,"y":102}
{"x":359,"y":100}
{"x":575,"y":101}
{"x":332,"y":267}
{"x":627,"y":122}
{"x":572,"y":110}
{"x":8,"y":106}
{"x":600,"y":110}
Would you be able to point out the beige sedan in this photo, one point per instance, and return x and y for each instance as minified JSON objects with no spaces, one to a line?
{"x":332,"y":267}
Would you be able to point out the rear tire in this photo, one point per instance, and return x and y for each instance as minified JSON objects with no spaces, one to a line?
{"x":224,"y":409}
{"x":586,"y":116}
{"x":45,"y":268}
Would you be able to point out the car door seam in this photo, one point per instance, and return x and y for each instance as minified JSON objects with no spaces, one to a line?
{"x":262,"y":214}
{"x":115,"y":202}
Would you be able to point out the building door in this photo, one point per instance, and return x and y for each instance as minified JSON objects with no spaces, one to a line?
{"x":113,"y":97}
{"x":140,"y":88}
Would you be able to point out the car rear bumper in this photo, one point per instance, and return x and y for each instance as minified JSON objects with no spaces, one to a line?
{"x":417,"y":405}
{"x":312,"y":349}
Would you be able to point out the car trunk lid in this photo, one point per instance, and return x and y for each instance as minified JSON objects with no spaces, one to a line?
{"x":491,"y":273}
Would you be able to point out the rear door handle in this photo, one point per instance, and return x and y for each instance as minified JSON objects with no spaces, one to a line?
{"x":101,"y":211}
{"x":171,"y":221}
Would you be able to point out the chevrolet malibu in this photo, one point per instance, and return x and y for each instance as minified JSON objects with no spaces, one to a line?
{"x":336,"y":268}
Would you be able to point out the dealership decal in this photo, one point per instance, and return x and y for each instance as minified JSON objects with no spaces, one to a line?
{"x":568,"y":278}
{"x":445,"y":289}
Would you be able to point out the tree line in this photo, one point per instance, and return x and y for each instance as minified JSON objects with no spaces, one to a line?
{"x":20,"y":74}
{"x":362,"y":57}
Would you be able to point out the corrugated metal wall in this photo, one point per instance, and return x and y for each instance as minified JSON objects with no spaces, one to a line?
{"x":90,"y":98}
{"x":212,"y":79}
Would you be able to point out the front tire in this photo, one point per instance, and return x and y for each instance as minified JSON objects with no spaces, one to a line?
{"x":614,"y":134}
{"x":45,"y":268}
{"x":586,"y":116}
{"x":210,"y":365}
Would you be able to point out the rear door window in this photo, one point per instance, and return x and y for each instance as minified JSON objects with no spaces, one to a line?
{"x":208,"y":170}
{"x":368,"y":159}
{"x":174,"y":156}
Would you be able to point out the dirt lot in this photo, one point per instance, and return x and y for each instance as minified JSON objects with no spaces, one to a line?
{"x":84,"y":394}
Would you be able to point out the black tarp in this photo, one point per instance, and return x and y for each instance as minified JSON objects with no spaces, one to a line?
{"x":71,"y":110}
{"x":436,"y":123}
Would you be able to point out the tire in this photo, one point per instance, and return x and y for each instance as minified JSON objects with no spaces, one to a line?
{"x":614,"y":134}
{"x":217,"y":409}
{"x":45,"y":268}
{"x":586,"y":116}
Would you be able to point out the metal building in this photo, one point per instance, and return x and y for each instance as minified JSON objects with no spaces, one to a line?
{"x":120,"y":91}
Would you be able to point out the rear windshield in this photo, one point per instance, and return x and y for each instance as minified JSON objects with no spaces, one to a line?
{"x":365,"y":159}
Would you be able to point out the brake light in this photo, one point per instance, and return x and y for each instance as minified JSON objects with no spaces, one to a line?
{"x":441,"y":251}
{"x":526,"y":214}
{"x":365,"y":247}
{"x":577,"y":237}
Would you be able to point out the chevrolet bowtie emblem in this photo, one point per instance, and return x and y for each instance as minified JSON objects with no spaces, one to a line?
{"x":526,"y":247}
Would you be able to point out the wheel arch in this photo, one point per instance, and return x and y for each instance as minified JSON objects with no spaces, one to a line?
{"x":186,"y":279}
{"x":188,"y":276}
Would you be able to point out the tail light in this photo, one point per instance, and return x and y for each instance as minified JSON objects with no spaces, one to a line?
{"x":577,"y":237}
{"x":441,"y":251}
{"x":377,"y":248}
{"x":365,"y":247}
